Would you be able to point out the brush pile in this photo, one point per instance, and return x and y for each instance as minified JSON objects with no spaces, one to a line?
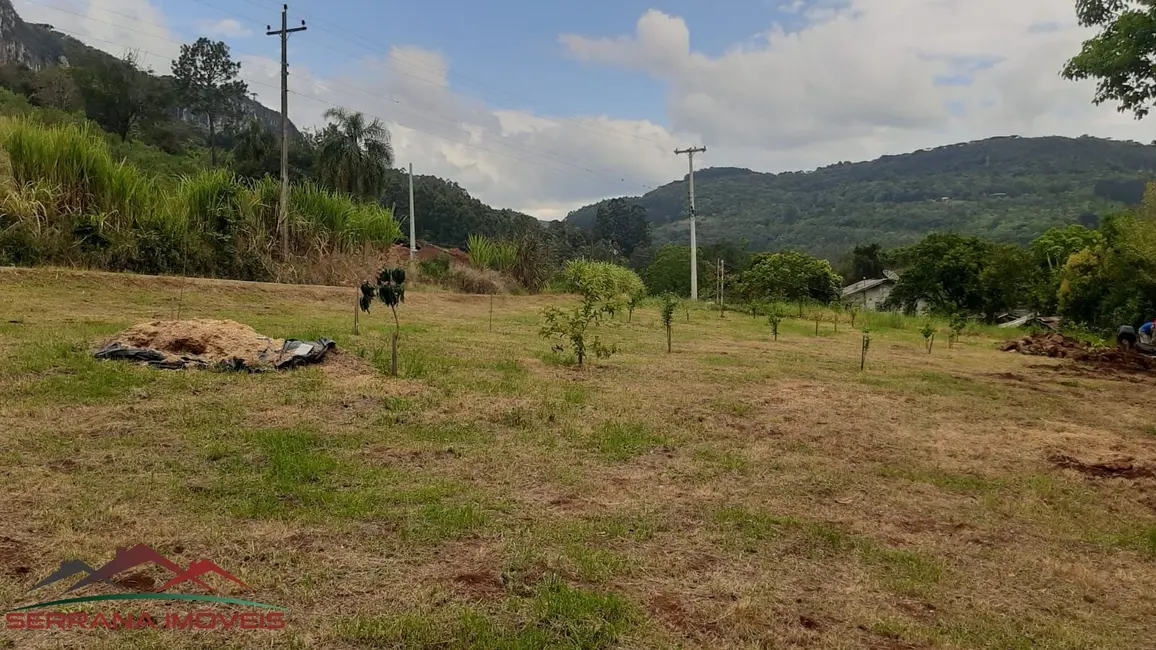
{"x":1058,"y":346}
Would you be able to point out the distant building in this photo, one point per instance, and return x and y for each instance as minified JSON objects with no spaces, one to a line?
{"x":870,"y":294}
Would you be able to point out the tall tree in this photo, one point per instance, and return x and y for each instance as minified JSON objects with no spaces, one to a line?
{"x":354,"y":155}
{"x":867,"y":262}
{"x":1120,"y":56}
{"x":944,"y":270}
{"x":790,"y":275}
{"x":54,"y":87}
{"x":205,"y":77}
{"x":623,"y":225}
{"x":118,"y":95}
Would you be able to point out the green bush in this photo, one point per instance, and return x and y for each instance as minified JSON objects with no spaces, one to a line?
{"x":600,"y":281}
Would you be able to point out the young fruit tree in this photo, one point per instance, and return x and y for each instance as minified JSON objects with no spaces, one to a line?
{"x":928,"y":333}
{"x":390,"y":289}
{"x":669,"y":302}
{"x":958,"y":324}
{"x":866,"y":343}
{"x":774,"y":320}
{"x":571,"y":326}
{"x":853,"y":312}
{"x":632,"y":301}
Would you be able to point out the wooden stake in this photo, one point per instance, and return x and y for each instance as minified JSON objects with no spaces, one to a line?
{"x":356,"y":309}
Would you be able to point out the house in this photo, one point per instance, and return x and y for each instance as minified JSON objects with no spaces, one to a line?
{"x":870,"y":294}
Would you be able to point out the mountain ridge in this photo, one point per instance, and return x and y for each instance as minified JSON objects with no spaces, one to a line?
{"x":1010,"y":188}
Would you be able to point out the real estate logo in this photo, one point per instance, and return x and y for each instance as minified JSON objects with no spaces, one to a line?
{"x":31,"y":617}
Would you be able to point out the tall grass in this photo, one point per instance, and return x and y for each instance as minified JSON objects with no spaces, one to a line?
{"x":486,"y":253}
{"x":64,"y":198}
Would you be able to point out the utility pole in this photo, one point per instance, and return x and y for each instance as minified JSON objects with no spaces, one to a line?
{"x":412,"y":235}
{"x":693,"y":241}
{"x":283,"y":212}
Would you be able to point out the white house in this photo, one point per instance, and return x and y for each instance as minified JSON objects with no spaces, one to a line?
{"x":868,"y":294}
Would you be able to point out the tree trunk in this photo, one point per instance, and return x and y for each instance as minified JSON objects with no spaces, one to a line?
{"x":393,"y":349}
{"x":668,"y":339}
{"x":356,"y":309}
{"x":212,"y":141}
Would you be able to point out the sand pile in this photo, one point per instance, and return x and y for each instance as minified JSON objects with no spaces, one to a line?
{"x":211,"y":341}
{"x":220,"y":344}
{"x":1059,"y":346}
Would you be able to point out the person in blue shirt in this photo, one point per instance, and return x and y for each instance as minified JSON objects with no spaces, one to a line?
{"x":1146,"y":331}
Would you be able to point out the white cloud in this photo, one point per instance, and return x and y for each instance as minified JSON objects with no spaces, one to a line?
{"x":115,"y":26}
{"x":861,"y":79}
{"x":225,"y":27}
{"x":846,"y":80}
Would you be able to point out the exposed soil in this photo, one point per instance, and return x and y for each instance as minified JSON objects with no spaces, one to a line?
{"x":482,"y":582}
{"x":13,"y":556}
{"x":1058,"y":346}
{"x":1118,"y":468}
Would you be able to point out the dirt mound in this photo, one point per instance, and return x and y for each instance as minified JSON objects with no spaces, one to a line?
{"x":211,"y":341}
{"x":1118,"y":468}
{"x":1059,"y":346}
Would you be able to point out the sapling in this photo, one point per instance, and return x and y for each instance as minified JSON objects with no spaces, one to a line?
{"x":572,"y":326}
{"x":863,"y":349}
{"x":669,"y":302}
{"x":390,"y":289}
{"x":774,"y":319}
{"x":818,"y":319}
{"x":835,"y":319}
{"x":928,"y":333}
{"x":631,"y":302}
{"x":958,"y":324}
{"x":853,"y":312}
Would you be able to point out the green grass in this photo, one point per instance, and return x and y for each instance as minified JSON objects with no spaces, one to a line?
{"x":620,"y":441}
{"x":555,"y":615}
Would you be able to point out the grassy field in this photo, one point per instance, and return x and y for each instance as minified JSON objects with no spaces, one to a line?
{"x":739,"y":492}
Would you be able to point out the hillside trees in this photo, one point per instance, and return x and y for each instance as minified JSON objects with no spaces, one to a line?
{"x":205,"y":80}
{"x":119,"y":96}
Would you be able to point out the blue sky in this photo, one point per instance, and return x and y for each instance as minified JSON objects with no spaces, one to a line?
{"x":507,"y":53}
{"x":546,"y":105}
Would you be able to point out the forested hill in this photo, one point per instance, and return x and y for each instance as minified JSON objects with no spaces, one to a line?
{"x":1008,"y":188}
{"x":35,"y":46}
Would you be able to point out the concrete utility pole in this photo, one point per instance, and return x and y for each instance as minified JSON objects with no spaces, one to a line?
{"x":283,"y":212}
{"x":693,"y":241}
{"x":412,"y":235}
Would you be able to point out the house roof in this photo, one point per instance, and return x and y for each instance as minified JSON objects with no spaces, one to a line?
{"x":864,"y":285}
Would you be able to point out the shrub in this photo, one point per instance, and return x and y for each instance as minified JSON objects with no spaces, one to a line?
{"x":600,"y":281}
{"x":435,"y":268}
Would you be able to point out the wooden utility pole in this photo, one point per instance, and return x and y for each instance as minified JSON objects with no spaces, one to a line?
{"x":693,"y":241}
{"x":283,"y":211}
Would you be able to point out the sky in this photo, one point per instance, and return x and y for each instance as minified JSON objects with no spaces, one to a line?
{"x":544,"y":107}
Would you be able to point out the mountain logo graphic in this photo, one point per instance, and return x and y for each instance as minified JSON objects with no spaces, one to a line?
{"x":140,"y":555}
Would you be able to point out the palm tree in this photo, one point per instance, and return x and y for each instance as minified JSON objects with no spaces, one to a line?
{"x":353,"y":156}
